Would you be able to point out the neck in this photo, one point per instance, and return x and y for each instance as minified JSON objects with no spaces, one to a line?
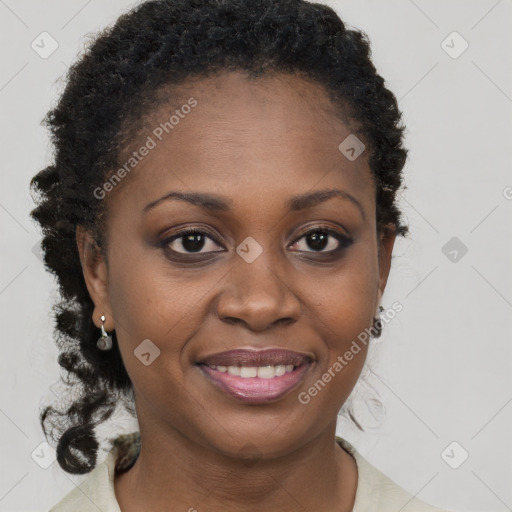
{"x":173,"y":470}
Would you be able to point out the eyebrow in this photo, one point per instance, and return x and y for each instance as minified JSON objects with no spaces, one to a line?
{"x":216,"y":203}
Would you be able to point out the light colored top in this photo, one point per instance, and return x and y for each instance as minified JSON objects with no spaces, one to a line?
{"x":375,"y":491}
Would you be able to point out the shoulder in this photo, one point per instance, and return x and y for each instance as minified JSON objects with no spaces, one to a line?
{"x":378,"y":493}
{"x":97,"y":492}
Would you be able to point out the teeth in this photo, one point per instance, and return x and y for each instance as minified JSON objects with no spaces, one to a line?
{"x":262,"y":372}
{"x":248,"y":371}
{"x":266,"y":372}
{"x":281,"y":370}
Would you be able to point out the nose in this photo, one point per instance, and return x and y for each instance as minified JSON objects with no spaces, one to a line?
{"x":258,"y":295}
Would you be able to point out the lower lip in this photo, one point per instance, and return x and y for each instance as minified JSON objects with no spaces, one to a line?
{"x":254,"y":389}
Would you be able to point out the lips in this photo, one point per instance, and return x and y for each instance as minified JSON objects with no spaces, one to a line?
{"x":269,"y":357}
{"x":256,"y":376}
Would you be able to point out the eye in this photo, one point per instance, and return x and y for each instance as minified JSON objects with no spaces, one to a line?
{"x":190,"y":241}
{"x":323,"y":240}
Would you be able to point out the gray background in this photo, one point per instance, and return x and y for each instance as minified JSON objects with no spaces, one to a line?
{"x":443,"y":365}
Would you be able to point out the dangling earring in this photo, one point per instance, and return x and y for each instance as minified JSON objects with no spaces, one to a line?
{"x":377,"y":324}
{"x":105,"y":342}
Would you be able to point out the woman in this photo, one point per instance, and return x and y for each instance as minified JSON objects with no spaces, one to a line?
{"x":221,"y":215}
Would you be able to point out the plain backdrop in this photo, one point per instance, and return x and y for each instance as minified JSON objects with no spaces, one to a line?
{"x":443,"y":366}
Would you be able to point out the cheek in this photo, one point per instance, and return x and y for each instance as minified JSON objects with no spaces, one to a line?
{"x":147,"y":308}
{"x":345,"y":308}
{"x":149,"y":302}
{"x":344,"y":302}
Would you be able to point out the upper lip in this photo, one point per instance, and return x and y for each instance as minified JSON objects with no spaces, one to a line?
{"x":243,"y":357}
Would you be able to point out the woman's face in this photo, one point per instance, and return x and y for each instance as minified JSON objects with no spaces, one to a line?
{"x":260,"y":270}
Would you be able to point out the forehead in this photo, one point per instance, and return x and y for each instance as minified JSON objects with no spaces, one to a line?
{"x":277,"y":134}
{"x":279,"y":100}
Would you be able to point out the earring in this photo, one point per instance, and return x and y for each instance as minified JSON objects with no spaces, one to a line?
{"x":105,"y":342}
{"x":377,"y":324}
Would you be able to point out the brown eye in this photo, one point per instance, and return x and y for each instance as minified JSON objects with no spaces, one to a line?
{"x":191,"y":241}
{"x":322,"y":240}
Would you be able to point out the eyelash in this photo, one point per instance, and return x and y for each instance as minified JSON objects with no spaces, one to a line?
{"x":344,"y":241}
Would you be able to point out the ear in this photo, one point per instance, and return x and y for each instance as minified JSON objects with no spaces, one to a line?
{"x":95,"y":273}
{"x":386,"y":243}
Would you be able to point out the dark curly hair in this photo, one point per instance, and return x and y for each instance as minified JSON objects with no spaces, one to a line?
{"x":113,"y":84}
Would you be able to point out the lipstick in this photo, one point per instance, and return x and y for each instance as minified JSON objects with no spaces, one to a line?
{"x":256,"y":376}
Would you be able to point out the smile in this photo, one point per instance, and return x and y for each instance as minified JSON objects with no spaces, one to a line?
{"x":256,"y":376}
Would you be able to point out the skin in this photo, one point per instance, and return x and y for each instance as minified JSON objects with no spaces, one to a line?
{"x":257,"y":143}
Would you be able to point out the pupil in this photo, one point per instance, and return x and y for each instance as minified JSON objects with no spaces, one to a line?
{"x":193,"y":242}
{"x":318,"y":240}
